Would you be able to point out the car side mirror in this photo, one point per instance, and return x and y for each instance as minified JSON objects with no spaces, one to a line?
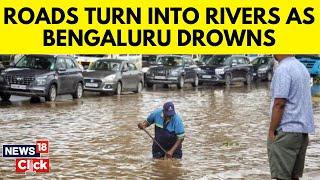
{"x":12,"y":64}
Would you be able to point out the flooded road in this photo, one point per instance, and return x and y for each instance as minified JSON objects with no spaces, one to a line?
{"x":97,"y":137}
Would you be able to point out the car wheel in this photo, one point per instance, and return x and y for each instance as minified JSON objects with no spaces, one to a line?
{"x":139,"y":88}
{"x":5,"y":96}
{"x":248,"y":79}
{"x":119,"y":88}
{"x":52,"y":93}
{"x":79,"y":91}
{"x":228,"y":80}
{"x":269,"y":76}
{"x":149,"y":85}
{"x":196,"y":81}
{"x":181,"y":82}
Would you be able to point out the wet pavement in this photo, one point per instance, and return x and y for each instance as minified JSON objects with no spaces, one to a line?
{"x":97,"y":136}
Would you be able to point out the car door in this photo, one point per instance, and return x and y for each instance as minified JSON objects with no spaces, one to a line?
{"x":135,"y":75}
{"x":62,"y":75}
{"x":72,"y":75}
{"x":125,"y":74}
{"x":234,"y":69}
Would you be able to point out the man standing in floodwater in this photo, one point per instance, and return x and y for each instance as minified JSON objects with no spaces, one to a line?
{"x":291,"y":118}
{"x":169,"y":132}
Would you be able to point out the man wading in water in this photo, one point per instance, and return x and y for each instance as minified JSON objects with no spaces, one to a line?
{"x":169,"y":132}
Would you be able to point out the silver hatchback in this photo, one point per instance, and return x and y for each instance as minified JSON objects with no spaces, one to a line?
{"x":113,"y":76}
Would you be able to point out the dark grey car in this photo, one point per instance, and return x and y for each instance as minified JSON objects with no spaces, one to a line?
{"x":113,"y":76}
{"x":226,"y":69}
{"x":42,"y":75}
{"x":173,"y":69}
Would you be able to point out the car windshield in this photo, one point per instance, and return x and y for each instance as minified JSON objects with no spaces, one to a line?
{"x":37,"y":62}
{"x":217,"y":60}
{"x":105,"y":66}
{"x":205,"y":58}
{"x":255,"y":61}
{"x":170,"y":60}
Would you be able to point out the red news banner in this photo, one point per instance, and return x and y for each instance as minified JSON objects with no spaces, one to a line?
{"x":28,"y":157}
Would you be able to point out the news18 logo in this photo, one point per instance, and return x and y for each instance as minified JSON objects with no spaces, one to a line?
{"x":28,"y":157}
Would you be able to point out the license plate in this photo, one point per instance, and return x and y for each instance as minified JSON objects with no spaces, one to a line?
{"x":254,"y":74}
{"x":92,"y":85}
{"x":17,"y":86}
{"x":206,"y":76}
{"x":160,"y":77}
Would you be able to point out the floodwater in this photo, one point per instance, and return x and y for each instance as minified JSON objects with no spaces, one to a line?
{"x":97,"y":137}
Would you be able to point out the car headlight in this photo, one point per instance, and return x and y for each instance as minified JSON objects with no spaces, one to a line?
{"x":219,"y":71}
{"x":109,"y":78}
{"x":41,"y":80}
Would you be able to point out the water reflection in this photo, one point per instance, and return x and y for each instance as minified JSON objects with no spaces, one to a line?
{"x":97,"y":137}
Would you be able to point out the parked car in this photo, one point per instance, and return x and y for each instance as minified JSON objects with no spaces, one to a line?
{"x":226,"y":69}
{"x":113,"y":76}
{"x":263,"y":67}
{"x":173,"y":69}
{"x":312,"y":63}
{"x":42,"y":75}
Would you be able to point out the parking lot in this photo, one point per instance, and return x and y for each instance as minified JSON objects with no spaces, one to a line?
{"x":97,"y":136}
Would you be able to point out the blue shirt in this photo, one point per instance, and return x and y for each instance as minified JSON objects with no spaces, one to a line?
{"x":291,"y":81}
{"x":174,"y":125}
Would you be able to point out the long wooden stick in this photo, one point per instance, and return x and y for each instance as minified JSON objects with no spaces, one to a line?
{"x":155,"y":140}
